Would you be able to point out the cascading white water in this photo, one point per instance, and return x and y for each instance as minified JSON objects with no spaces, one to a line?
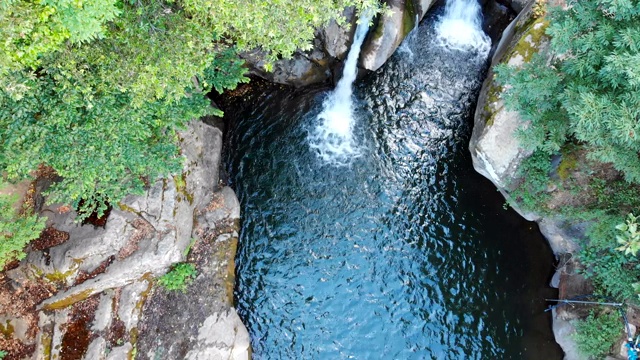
{"x":333,"y":137}
{"x":405,"y":46}
{"x":460,"y":27}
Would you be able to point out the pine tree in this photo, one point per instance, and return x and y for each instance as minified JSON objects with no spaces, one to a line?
{"x":590,"y":91}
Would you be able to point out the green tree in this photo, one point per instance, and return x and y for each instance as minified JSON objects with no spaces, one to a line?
{"x":97,"y":89}
{"x":30,"y":29}
{"x":587,"y":88}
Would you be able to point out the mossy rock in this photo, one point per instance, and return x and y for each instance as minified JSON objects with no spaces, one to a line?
{"x":530,"y":42}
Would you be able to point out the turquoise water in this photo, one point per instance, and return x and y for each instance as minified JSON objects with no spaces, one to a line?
{"x":404,"y":253}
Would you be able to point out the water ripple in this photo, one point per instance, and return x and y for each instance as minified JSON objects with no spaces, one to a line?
{"x":398,"y":255}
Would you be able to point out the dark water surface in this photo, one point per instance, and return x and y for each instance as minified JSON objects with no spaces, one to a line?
{"x":406,"y":253}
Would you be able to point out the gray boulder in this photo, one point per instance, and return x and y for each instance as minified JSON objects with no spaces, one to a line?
{"x":388,"y":31}
{"x":495,"y":149}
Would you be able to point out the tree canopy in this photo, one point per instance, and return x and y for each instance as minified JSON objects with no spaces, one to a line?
{"x":587,"y":89}
{"x":97,"y":89}
{"x":583,"y":95}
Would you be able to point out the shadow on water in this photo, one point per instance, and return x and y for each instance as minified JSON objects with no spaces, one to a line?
{"x":406,"y":253}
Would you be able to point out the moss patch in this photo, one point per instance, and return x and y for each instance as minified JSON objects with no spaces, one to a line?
{"x":493,"y":96}
{"x":408,"y":18}
{"x":7,"y":330}
{"x":378,"y":30}
{"x":127,"y":208}
{"x":60,"y":278}
{"x":69,"y":300}
{"x":231,"y":269}
{"x":529,"y":40}
{"x":181,"y":188}
{"x":568,"y":163}
{"x":46,"y":344}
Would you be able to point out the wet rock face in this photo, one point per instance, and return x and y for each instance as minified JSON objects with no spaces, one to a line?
{"x":497,"y":17}
{"x":388,"y":31}
{"x":80,"y":295}
{"x":517,"y":5}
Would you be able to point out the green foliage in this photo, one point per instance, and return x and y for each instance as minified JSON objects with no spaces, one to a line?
{"x":31,"y":29}
{"x":611,"y":271}
{"x":2,"y":354}
{"x":614,"y":196}
{"x":101,"y":145}
{"x":277,"y":27}
{"x":531,"y":194}
{"x":630,"y":238}
{"x":596,"y":335}
{"x":97,"y":89}
{"x":188,"y":249}
{"x":16,"y":230}
{"x":178,"y":277}
{"x":533,"y":91}
{"x":591,"y":90}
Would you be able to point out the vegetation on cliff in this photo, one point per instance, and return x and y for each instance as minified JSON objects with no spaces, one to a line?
{"x":96,"y":90}
{"x":589,"y":93}
{"x":16,"y":229}
{"x":581,"y":100}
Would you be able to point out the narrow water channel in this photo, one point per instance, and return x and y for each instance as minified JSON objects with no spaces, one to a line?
{"x":401,"y":252}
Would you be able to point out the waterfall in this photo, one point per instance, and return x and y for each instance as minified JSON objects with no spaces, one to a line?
{"x":460,"y":28}
{"x":333,"y":137}
{"x":405,"y":46}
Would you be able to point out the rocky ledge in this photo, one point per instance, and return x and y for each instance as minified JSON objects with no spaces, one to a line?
{"x":88,"y":291}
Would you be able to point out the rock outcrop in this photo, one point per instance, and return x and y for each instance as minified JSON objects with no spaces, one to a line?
{"x":497,"y":153}
{"x":389,"y":30}
{"x":88,"y":291}
{"x":330,"y":47}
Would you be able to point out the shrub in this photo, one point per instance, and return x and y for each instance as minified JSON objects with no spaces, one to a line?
{"x":630,"y":237}
{"x":598,"y":333}
{"x":531,"y":194}
{"x":610,"y":270}
{"x":178,"y":277}
{"x":16,"y":230}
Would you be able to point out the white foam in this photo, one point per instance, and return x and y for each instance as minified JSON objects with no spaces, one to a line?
{"x":460,"y":28}
{"x":333,"y":137}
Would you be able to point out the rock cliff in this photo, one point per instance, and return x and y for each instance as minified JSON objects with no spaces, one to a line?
{"x":88,"y":291}
{"x":498,"y":154}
